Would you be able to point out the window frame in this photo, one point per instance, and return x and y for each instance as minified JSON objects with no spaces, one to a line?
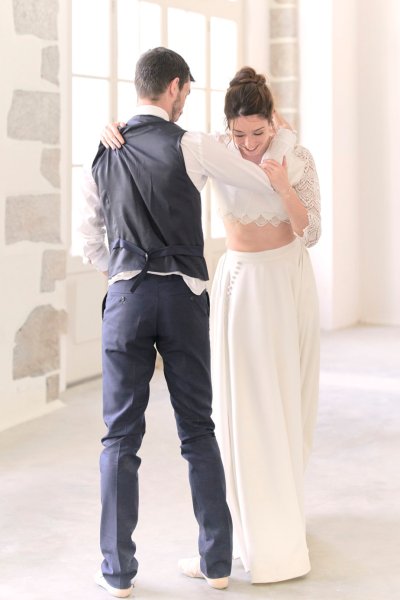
{"x":225,"y":9}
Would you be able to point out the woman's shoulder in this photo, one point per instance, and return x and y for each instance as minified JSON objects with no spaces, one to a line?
{"x":302,"y":153}
{"x":299,"y":162}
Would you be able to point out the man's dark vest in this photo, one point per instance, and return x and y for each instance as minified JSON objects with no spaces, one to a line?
{"x":152,"y":209}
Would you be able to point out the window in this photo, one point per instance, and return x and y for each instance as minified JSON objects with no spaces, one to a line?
{"x":108,"y":36}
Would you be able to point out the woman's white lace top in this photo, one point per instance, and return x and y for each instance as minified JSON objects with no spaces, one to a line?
{"x":242,"y":206}
{"x":307,"y":189}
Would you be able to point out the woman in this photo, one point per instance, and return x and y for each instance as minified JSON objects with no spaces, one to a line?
{"x":265,"y":342}
{"x":265,"y":337}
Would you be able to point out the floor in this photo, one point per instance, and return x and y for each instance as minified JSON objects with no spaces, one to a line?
{"x":49,"y":501}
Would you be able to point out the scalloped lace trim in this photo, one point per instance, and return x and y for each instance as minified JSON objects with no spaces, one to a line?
{"x":261,"y":220}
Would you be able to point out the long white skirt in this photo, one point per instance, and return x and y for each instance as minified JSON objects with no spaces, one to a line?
{"x":265,"y":367}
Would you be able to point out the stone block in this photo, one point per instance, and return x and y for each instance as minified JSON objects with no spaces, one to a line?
{"x":285,"y":93}
{"x":50,"y":165}
{"x":36,"y":17}
{"x":33,"y":218}
{"x":52,"y":387}
{"x":34,"y":116}
{"x":284,"y":61}
{"x":283,"y":22}
{"x":53,"y":268}
{"x":50,"y":64}
{"x":37,"y":343}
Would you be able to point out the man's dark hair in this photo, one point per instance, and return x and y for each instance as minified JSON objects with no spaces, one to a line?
{"x":156,"y":68}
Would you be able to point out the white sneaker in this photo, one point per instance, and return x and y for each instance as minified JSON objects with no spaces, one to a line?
{"x":118,"y":593}
{"x":191,"y":568}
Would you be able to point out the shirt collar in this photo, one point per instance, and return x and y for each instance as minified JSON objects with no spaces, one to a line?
{"x":153,"y":110}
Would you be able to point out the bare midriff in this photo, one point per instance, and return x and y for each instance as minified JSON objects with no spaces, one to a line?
{"x":256,"y":238}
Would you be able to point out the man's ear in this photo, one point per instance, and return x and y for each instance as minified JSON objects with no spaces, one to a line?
{"x":174,"y":86}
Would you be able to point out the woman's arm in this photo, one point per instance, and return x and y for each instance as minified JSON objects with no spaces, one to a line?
{"x":307,"y":190}
{"x":301,"y":201}
{"x":112,"y":138}
{"x":295,"y":209}
{"x":205,"y":156}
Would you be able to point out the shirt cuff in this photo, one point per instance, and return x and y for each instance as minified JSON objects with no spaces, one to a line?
{"x":101,"y":263}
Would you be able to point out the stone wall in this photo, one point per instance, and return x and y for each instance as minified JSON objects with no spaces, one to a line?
{"x":32,"y":215}
{"x":284,"y":64}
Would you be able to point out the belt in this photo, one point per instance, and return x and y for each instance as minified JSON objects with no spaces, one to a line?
{"x":179,"y":250}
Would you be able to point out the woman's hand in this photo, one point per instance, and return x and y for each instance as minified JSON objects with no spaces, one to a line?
{"x":294,"y":207}
{"x":110,"y":136}
{"x":277,"y":174}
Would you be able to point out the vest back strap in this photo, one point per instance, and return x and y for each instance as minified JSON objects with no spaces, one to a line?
{"x":158,"y":253}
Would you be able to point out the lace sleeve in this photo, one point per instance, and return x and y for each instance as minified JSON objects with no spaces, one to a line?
{"x":307,"y":190}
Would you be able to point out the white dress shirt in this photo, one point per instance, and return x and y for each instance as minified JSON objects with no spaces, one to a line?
{"x":204,"y":157}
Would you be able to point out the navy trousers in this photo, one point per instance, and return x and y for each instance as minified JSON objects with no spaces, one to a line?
{"x":161,"y":313}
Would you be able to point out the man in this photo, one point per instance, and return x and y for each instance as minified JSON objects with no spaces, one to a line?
{"x":146,"y":196}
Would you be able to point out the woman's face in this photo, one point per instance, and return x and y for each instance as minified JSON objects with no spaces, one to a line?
{"x":252,"y":135}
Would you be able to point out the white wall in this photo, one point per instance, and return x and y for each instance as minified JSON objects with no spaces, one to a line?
{"x":329,"y":128}
{"x":379,"y":167}
{"x":21,"y":262}
{"x":350,"y":61}
{"x":345,"y":156}
{"x":316,"y":131}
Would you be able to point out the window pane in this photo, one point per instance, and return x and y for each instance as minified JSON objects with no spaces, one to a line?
{"x":217,"y":112}
{"x":194,"y":113}
{"x":126,"y":101}
{"x":139,"y":29}
{"x":187,"y":36}
{"x":90,"y":112}
{"x":128,"y":37}
{"x":91,"y":37}
{"x":223,"y":52}
{"x":150,"y":26}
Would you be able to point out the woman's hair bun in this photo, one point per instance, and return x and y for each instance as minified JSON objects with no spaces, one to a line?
{"x":247,"y":75}
{"x":248,"y":94}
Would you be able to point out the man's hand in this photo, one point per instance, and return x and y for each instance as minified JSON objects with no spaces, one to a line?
{"x":110,"y":136}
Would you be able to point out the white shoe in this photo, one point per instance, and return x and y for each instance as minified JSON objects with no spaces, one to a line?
{"x":191,"y":568}
{"x":118,"y":593}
